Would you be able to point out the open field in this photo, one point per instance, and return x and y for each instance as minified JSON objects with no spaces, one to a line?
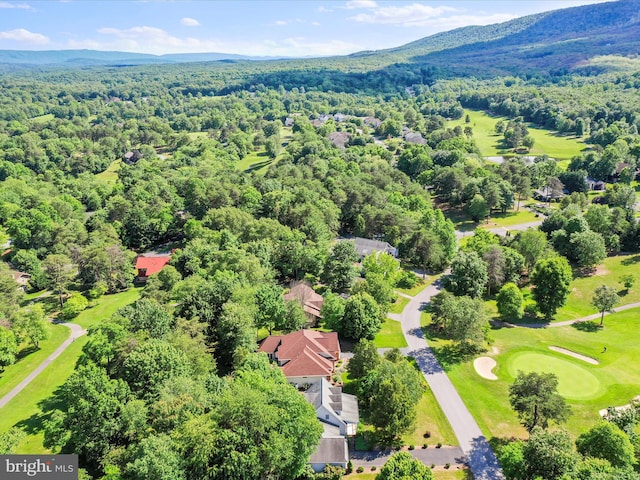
{"x":390,"y":335}
{"x":110,"y":175}
{"x":588,"y":388}
{"x":490,"y":145}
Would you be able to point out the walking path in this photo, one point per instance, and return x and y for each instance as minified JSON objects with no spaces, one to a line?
{"x":475,"y":447}
{"x":76,"y":331}
{"x":588,"y":318}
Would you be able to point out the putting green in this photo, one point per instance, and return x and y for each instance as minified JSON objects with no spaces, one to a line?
{"x":575,"y":382}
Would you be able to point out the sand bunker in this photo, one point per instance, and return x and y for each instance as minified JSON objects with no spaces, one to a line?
{"x":483,"y":366}
{"x":579,"y":356}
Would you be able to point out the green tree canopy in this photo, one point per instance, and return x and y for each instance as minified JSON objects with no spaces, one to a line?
{"x":551,"y":279}
{"x":534,"y":397}
{"x":402,"y":466}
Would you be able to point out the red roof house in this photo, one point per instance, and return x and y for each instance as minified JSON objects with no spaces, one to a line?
{"x":311,"y":302}
{"x":304,"y":355}
{"x":147,"y":266}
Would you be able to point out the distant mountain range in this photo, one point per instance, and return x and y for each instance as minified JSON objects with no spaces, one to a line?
{"x":95,"y":57}
{"x":561,"y":40}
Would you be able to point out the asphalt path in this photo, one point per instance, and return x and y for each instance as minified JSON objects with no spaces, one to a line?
{"x":76,"y":331}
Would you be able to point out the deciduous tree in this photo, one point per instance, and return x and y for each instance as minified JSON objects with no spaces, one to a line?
{"x":535,"y":398}
{"x":403,"y":466}
{"x":551,"y":279}
{"x":604,"y":299}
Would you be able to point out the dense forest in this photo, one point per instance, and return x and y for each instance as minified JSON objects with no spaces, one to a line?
{"x":100,"y":164}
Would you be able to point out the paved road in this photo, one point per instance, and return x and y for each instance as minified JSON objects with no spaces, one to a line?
{"x":76,"y":331}
{"x":479,"y":455}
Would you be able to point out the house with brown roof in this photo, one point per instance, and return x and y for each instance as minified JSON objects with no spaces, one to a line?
{"x":150,"y":264}
{"x":305,"y":356}
{"x":307,"y":297}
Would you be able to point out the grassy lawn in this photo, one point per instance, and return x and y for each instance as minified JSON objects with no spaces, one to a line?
{"x":29,"y":359}
{"x":43,"y":118}
{"x":390,"y":335}
{"x":196,"y":135}
{"x":106,"y":306}
{"x":110,"y":175}
{"x":463,"y":222}
{"x":254,"y":161}
{"x":29,"y":408}
{"x":588,"y":388}
{"x":490,"y":145}
{"x":430,"y":418}
{"x":438,"y":474}
{"x":579,"y":301}
{"x":399,"y":304}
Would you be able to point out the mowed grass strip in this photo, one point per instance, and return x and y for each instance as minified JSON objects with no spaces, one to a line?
{"x":399,"y":304}
{"x":618,"y":377}
{"x":490,"y":144}
{"x":390,"y":335}
{"x":29,"y":359}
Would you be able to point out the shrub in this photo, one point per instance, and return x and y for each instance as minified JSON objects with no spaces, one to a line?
{"x":349,"y":467}
{"x":360,"y":469}
{"x":447,"y":465}
{"x":407,"y":279}
{"x":72,"y":307}
{"x":412,"y":447}
{"x":427,"y":434}
{"x":439,"y":445}
{"x":373,"y":468}
{"x":424,"y":445}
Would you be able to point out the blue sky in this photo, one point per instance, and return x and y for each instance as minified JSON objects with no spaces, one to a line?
{"x":249,"y":27}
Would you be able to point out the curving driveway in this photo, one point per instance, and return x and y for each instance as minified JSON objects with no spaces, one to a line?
{"x":76,"y":331}
{"x":479,"y":455}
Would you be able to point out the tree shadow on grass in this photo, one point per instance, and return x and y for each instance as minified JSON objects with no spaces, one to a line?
{"x":590,"y":326}
{"x":631,"y":260}
{"x":35,"y":423}
{"x":26,"y":352}
{"x":453,"y":354}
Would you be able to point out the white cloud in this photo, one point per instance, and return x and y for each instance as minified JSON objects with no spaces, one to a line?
{"x":25,"y":36}
{"x":21,"y":6}
{"x":315,"y":24}
{"x":145,"y":39}
{"x":407,"y":15}
{"x":190,"y":22}
{"x":281,"y":23}
{"x":456,"y":21}
{"x":358,"y":4}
